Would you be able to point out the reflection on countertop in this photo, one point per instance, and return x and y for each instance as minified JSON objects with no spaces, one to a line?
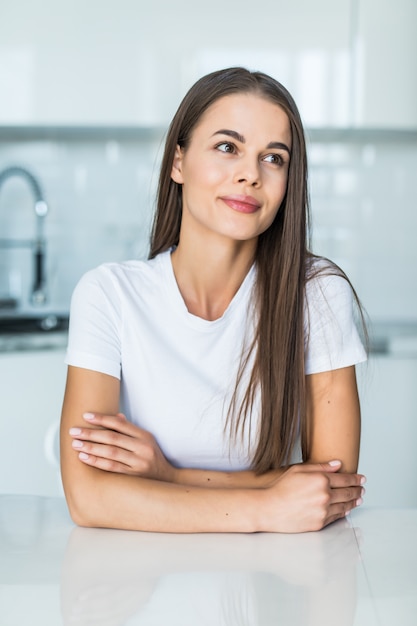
{"x":359,"y":571}
{"x":119,"y":577}
{"x":218,"y":579}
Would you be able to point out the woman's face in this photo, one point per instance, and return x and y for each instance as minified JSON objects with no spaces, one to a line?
{"x":234,"y":171}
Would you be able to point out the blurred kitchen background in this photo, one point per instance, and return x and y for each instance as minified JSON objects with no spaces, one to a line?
{"x":87,"y":90}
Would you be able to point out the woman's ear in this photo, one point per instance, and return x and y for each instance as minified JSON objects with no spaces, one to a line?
{"x":176,"y":171}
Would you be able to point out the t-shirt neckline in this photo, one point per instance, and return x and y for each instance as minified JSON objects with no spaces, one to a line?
{"x":180,"y":307}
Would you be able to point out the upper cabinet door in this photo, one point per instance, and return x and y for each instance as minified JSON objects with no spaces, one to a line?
{"x":69,"y":62}
{"x":128,"y":62}
{"x":303,"y":44}
{"x":386,"y":64}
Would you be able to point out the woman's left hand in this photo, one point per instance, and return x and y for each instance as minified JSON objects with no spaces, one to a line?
{"x":114,"y":444}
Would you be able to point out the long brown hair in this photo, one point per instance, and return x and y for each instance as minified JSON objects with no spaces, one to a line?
{"x":282,"y":260}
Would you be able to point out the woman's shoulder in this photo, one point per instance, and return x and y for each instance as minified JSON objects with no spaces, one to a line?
{"x":118,"y":274}
{"x":323,"y":275}
{"x":331,"y":315}
{"x":319,"y":266}
{"x":329,"y":294}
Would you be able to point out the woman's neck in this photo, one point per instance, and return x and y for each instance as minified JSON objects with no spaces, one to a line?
{"x":209,"y":275}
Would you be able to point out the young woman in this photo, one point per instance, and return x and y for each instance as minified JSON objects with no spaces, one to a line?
{"x":231,"y":351}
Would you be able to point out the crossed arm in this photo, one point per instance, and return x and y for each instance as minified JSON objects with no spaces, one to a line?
{"x":116,"y":476}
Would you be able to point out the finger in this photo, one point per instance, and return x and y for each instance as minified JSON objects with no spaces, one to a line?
{"x":108,"y":465}
{"x":334,"y":518}
{"x":339,"y":511}
{"x":346,"y":480}
{"x":330,"y":470}
{"x":109,"y":452}
{"x":346,"y":494}
{"x":331,"y":466}
{"x":103,"y":436}
{"x":112,"y":422}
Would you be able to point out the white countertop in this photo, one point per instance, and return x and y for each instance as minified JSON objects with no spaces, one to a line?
{"x":361,"y":571}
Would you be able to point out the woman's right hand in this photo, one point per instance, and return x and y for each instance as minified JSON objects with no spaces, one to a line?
{"x":309,"y":496}
{"x":113,"y":444}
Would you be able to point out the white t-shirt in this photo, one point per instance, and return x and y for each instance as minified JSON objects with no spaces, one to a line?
{"x":177,"y":370}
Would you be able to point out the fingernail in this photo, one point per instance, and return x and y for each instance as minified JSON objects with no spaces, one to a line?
{"x":83,"y":456}
{"x":77,"y":444}
{"x":75,"y":431}
{"x":334,"y":463}
{"x":363,"y":480}
{"x":358,"y":501}
{"x":363,"y":491}
{"x":88,"y":416}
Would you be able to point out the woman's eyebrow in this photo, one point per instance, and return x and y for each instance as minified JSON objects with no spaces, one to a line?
{"x":232,"y":133}
{"x":279,"y":146}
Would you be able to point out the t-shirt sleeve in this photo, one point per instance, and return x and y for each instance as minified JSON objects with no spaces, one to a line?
{"x":331,"y":337}
{"x":95,"y":324}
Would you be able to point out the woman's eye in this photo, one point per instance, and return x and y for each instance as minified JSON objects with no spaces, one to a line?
{"x":225,"y":147}
{"x":275,"y":159}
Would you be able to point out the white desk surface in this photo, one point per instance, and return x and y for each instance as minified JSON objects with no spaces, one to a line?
{"x":361,"y":571}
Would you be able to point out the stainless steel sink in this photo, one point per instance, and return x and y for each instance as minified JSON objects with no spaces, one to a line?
{"x":33,"y":331}
{"x":46,"y":322}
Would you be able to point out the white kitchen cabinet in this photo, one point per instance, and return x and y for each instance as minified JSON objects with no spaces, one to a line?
{"x":130,"y":62}
{"x":389,"y":430}
{"x":386,"y":64}
{"x":32,"y":388}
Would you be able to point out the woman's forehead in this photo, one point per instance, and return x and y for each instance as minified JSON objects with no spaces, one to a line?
{"x":246,"y":113}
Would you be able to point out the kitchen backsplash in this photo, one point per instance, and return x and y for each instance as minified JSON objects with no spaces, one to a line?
{"x":364,"y":207}
{"x":101,"y":197}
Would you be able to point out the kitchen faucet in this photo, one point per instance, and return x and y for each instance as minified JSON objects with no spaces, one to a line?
{"x":38,"y":294}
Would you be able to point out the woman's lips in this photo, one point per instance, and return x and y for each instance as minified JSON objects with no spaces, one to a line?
{"x":243,"y":204}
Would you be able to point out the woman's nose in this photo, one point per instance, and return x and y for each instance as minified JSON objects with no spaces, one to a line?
{"x":247,"y":171}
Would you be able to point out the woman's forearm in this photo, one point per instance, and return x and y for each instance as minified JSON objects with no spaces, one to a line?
{"x":227,"y":480}
{"x":305,"y":498}
{"x":133,"y":503}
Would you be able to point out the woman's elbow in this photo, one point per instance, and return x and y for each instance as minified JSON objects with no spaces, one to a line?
{"x":81,"y":494}
{"x":79,"y":507}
